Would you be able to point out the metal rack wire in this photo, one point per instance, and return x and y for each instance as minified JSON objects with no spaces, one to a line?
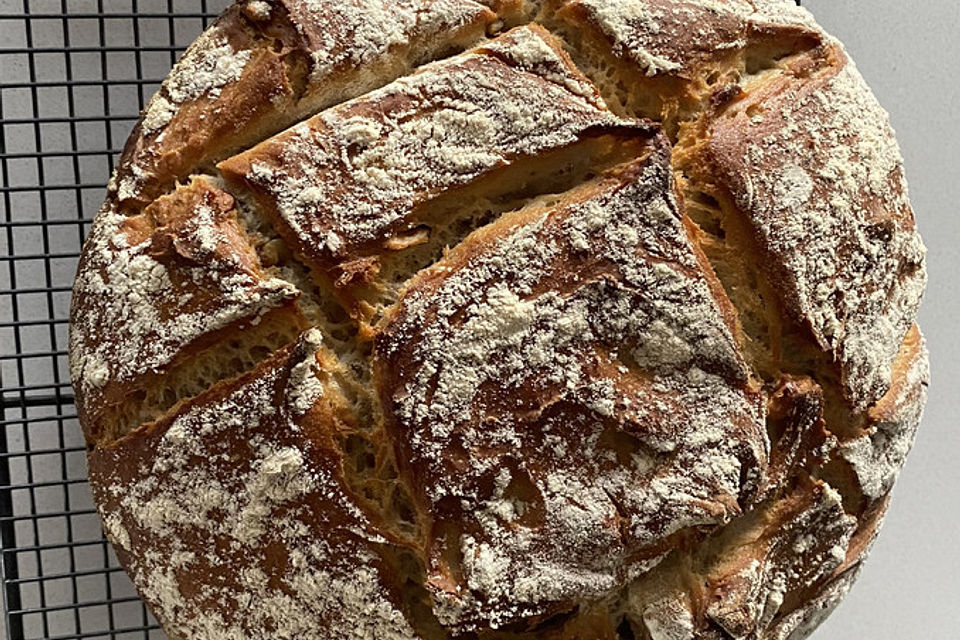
{"x":74,"y":75}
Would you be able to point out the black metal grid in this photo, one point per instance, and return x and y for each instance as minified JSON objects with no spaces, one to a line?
{"x":74,"y":75}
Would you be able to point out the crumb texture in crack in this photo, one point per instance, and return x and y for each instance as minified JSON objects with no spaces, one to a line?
{"x":759,"y":576}
{"x":233,"y":517}
{"x":354,"y":183}
{"x":792,"y":144}
{"x":877,"y":455}
{"x":814,"y":167}
{"x":343,"y":36}
{"x":262,"y":66}
{"x":656,"y":35}
{"x":156,"y":289}
{"x":585,"y":335}
{"x":648,"y":60}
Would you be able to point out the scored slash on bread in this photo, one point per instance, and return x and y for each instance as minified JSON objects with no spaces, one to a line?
{"x":266,"y":65}
{"x":357,"y":182}
{"x":233,"y":516}
{"x":156,"y":289}
{"x":592,"y":322}
{"x":659,"y":65}
{"x":839,"y":220}
{"x":573,"y":374}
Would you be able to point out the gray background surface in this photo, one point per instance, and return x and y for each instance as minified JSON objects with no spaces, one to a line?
{"x":909,"y":52}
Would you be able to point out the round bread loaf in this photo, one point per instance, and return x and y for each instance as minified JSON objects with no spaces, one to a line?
{"x":501,"y":319}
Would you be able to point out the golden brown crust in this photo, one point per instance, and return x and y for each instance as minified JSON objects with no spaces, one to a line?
{"x":606,"y":411}
{"x":667,"y":68}
{"x":264,"y":65}
{"x":347,"y":184}
{"x":533,"y":336}
{"x":234,"y":518}
{"x":803,"y":541}
{"x":878,"y":454}
{"x":756,"y":577}
{"x":205,"y":103}
{"x":812,"y":165}
{"x":155,"y":289}
{"x":800,"y":623}
{"x":656,"y":35}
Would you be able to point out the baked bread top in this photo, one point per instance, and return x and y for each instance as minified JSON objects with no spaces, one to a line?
{"x":569,"y":319}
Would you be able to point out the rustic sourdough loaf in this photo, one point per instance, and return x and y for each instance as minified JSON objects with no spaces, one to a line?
{"x":557,"y":319}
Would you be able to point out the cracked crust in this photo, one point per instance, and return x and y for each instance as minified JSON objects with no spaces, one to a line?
{"x":613,"y":324}
{"x":653,"y":62}
{"x":156,"y":289}
{"x":352,"y":184}
{"x":656,"y":35}
{"x":233,"y":516}
{"x":811,"y":163}
{"x":265,"y":65}
{"x":536,"y":333}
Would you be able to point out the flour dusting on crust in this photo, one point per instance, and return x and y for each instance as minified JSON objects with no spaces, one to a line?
{"x":233,"y":522}
{"x":877,"y":456}
{"x":676,"y":37}
{"x":344,"y":34}
{"x":208,"y":65}
{"x":565,"y":392}
{"x":153,"y":285}
{"x":356,"y":173}
{"x":242,"y":78}
{"x":627,"y":437}
{"x":818,"y":173}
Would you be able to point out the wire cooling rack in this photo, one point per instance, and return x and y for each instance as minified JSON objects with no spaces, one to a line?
{"x":74,"y":75}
